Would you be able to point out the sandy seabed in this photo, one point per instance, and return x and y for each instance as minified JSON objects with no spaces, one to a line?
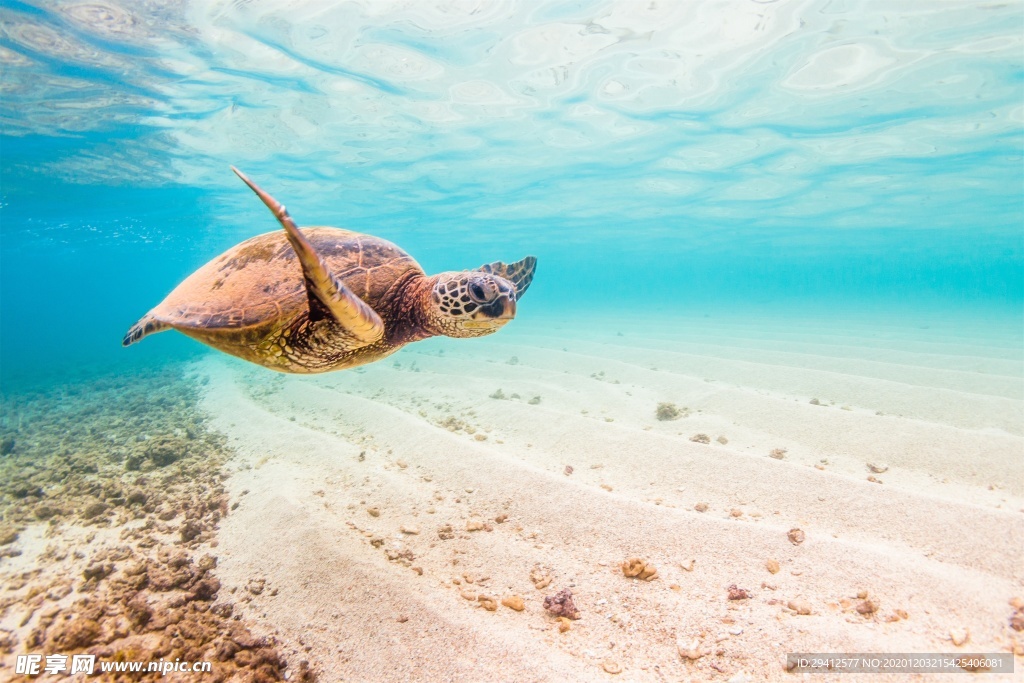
{"x":378,"y":513}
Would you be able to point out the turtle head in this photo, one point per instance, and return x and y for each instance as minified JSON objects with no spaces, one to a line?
{"x":471,"y":303}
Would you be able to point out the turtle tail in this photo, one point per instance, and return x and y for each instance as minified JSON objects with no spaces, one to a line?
{"x":146,"y":326}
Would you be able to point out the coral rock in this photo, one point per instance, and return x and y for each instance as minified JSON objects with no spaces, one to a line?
{"x":206,"y":589}
{"x":98,"y":571}
{"x":8,"y":535}
{"x":190,"y":530}
{"x":667,"y":411}
{"x":561,"y":604}
{"x":78,"y":633}
{"x":737,"y":593}
{"x":541,"y":578}
{"x":634,"y":567}
{"x":94,"y":510}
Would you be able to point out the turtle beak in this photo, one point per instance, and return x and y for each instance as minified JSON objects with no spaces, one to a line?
{"x":497,"y":314}
{"x":509,"y":311}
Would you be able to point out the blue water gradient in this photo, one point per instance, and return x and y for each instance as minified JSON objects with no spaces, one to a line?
{"x":785,"y":159}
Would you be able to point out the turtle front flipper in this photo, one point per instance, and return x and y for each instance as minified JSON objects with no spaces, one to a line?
{"x":519,"y":273}
{"x":146,"y":326}
{"x":328,"y":296}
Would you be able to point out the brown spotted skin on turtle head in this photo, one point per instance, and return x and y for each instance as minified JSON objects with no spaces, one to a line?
{"x":471,"y":303}
{"x":321,"y":299}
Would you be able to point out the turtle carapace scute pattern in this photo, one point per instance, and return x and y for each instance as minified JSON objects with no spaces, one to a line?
{"x":319,"y":299}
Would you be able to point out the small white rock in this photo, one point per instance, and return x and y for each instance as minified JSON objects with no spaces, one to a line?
{"x":959,"y":636}
{"x":690,"y":650}
{"x":409,"y":529}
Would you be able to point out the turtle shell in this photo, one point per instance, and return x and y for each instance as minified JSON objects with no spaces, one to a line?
{"x":260,"y":282}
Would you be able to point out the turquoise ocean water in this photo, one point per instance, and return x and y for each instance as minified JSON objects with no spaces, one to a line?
{"x":813,"y":161}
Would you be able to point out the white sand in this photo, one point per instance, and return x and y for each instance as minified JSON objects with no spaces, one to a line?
{"x":941,"y":538}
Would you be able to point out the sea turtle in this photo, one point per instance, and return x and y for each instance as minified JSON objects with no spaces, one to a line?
{"x":321,"y":299}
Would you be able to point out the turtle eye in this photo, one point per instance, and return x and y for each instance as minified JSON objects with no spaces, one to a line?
{"x":477,"y":292}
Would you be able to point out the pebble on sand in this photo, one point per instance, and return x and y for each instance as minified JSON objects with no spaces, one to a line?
{"x":514,"y":602}
{"x":772,"y":566}
{"x":867,"y":607}
{"x":1017,"y":618}
{"x":700,"y":438}
{"x":796,"y":536}
{"x":959,"y":636}
{"x":800,"y":606}
{"x":611,"y":666}
{"x":409,"y":529}
{"x":777,"y":453}
{"x":690,"y":650}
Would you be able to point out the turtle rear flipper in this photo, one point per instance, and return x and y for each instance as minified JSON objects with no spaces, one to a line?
{"x":146,"y":326}
{"x":519,"y":273}
{"x":328,"y":296}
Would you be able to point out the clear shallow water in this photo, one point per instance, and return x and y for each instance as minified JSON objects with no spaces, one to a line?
{"x":789,"y":159}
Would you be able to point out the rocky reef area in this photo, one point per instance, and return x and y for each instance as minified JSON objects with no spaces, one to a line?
{"x":110,"y":493}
